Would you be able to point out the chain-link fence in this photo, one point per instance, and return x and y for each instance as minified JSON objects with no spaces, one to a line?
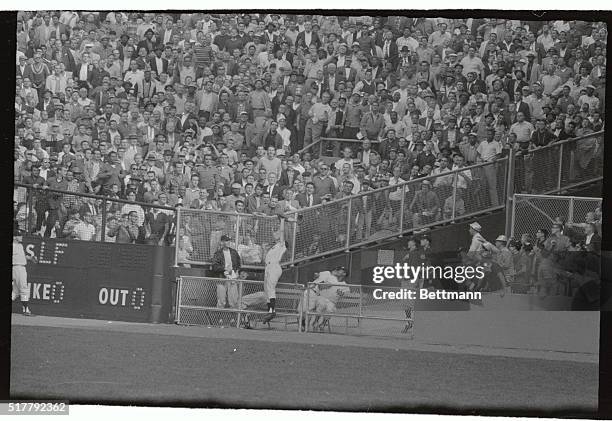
{"x":388,"y":211}
{"x":235,"y":302}
{"x":200,"y":233}
{"x":531,"y":213}
{"x":560,"y":165}
{"x":72,"y":215}
{"x":359,"y":309}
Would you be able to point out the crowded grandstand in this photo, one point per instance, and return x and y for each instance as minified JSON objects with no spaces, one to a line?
{"x":180,"y":129}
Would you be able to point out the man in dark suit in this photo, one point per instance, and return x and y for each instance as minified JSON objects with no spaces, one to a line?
{"x":187,"y":120}
{"x":592,"y":240}
{"x":331,"y":78}
{"x":390,"y":50}
{"x":274,"y":188}
{"x":288,"y":176}
{"x":309,"y":198}
{"x":87,"y":83}
{"x":347,"y":72}
{"x":307,"y":37}
{"x":520,"y":105}
{"x":225,"y":264}
{"x":22,"y":66}
{"x":516,"y":85}
{"x":474,"y":84}
{"x":158,"y":63}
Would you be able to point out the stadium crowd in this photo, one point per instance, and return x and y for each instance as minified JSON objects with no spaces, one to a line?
{"x":227,"y":112}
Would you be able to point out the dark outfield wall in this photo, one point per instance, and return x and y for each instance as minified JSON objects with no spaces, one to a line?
{"x":99,"y":281}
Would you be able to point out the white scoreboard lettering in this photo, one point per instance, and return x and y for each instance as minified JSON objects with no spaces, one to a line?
{"x":48,"y":254}
{"x":53,"y":292}
{"x":119,"y":297}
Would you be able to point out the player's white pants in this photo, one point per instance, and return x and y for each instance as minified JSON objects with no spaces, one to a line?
{"x":227,"y":292}
{"x":20,"y":283}
{"x":271,"y":276}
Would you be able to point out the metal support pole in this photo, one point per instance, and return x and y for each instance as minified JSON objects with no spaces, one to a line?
{"x":29,"y":201}
{"x":294,"y":238}
{"x":560,"y":172}
{"x":348,"y":224}
{"x":239,"y":313}
{"x":455,"y":181}
{"x":237,"y":231}
{"x":402,"y":204}
{"x":305,"y":307}
{"x":571,"y":210}
{"x":177,"y":236}
{"x":510,"y":167}
{"x":103,"y":224}
{"x":179,"y":287}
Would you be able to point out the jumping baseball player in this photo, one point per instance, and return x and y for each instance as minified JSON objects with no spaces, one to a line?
{"x":20,"y":276}
{"x":273,"y":270}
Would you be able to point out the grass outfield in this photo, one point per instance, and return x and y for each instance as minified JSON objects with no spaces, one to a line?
{"x":95,"y":365}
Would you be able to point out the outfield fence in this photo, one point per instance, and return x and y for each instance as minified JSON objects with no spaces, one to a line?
{"x":232,"y":302}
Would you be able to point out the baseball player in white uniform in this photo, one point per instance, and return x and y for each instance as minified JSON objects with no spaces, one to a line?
{"x":20,"y":276}
{"x":324,"y":295}
{"x":273,"y":271}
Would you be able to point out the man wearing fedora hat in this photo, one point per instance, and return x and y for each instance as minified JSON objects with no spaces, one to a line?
{"x":20,"y":276}
{"x":225,"y":264}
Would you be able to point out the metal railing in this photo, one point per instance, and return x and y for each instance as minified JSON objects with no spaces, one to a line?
{"x":47,"y":211}
{"x":348,"y":222}
{"x":560,"y":165}
{"x":360,"y":309}
{"x":395,"y":210}
{"x":318,"y":144}
{"x":232,"y":302}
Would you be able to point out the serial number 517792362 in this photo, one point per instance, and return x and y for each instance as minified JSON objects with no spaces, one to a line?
{"x":41,"y":408}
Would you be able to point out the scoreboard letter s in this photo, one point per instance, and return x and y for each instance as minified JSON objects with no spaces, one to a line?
{"x":29,"y":249}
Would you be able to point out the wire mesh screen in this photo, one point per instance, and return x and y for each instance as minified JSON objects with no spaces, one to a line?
{"x":533,"y":212}
{"x":74,"y":215}
{"x":252,"y":236}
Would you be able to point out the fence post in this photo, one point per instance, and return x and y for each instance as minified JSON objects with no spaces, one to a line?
{"x":348,"y":224}
{"x":237,"y":231}
{"x":177,"y":235}
{"x":510,"y":167}
{"x":103,"y":224}
{"x":293,"y":237}
{"x":571,"y":210}
{"x":179,"y":288}
{"x":239,"y":312}
{"x":29,"y":202}
{"x":401,"y":215}
{"x":560,"y":172}
{"x":455,"y":181}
